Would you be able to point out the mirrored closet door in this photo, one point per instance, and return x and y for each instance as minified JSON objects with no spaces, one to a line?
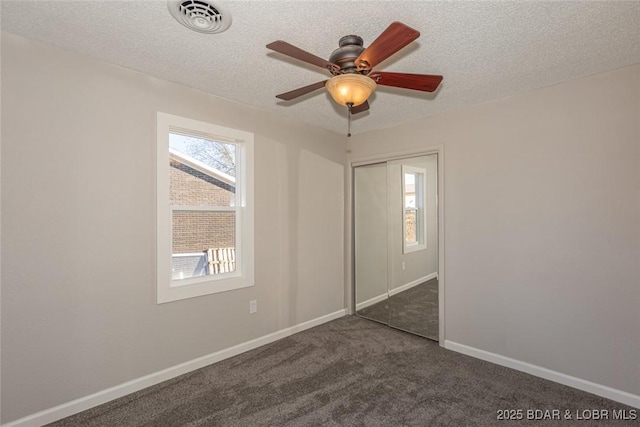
{"x":396,"y":244}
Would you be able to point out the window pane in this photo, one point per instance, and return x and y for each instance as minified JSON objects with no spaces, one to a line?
{"x":410,"y":217}
{"x":203,"y":243}
{"x":409,"y":190}
{"x":217,"y":155}
{"x":202,"y":172}
{"x":184,"y":266}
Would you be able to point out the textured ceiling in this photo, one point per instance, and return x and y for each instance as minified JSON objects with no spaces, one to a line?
{"x":484,"y":50}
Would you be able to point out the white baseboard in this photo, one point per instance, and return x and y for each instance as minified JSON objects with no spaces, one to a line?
{"x":538,"y":371}
{"x":412,"y":284}
{"x":82,"y":404}
{"x":371,"y":301}
{"x":395,"y":291}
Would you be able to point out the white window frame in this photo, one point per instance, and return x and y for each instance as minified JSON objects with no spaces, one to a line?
{"x":421,"y":217}
{"x":173,"y":290}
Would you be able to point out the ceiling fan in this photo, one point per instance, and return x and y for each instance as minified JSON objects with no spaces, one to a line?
{"x":352,"y":65}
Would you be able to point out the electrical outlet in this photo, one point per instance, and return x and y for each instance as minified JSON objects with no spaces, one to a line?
{"x":253,"y":306}
{"x":403,"y":265}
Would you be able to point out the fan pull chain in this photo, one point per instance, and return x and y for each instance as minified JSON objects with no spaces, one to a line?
{"x":349,"y":105}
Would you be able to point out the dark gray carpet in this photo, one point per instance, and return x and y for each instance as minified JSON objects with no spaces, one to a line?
{"x":414,"y":310}
{"x":349,"y":372}
{"x":378,"y":312}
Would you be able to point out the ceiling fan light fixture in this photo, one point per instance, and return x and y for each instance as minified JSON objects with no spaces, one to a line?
{"x":350,"y":88}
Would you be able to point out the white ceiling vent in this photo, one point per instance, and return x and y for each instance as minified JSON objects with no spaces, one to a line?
{"x":203,"y":16}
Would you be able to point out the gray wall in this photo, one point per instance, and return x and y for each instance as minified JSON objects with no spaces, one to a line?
{"x":78,"y":223}
{"x":542,"y":224}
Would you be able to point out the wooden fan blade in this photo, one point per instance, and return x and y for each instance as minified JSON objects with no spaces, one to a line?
{"x":395,"y":37}
{"x":297,"y":53}
{"x":360,"y":108}
{"x":423,"y":82}
{"x":288,"y":96}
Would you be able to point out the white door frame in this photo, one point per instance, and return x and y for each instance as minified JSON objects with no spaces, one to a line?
{"x":384,"y":157}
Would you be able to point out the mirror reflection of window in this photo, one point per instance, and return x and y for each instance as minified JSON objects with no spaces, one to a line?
{"x":414,"y":220}
{"x":410,"y":211}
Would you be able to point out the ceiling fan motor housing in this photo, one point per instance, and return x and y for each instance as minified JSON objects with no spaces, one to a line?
{"x":350,"y":48}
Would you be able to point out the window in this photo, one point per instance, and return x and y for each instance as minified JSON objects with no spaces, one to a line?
{"x":204,"y":208}
{"x":414,"y":227}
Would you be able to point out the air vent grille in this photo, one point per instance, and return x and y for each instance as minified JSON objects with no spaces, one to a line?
{"x":200,"y":15}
